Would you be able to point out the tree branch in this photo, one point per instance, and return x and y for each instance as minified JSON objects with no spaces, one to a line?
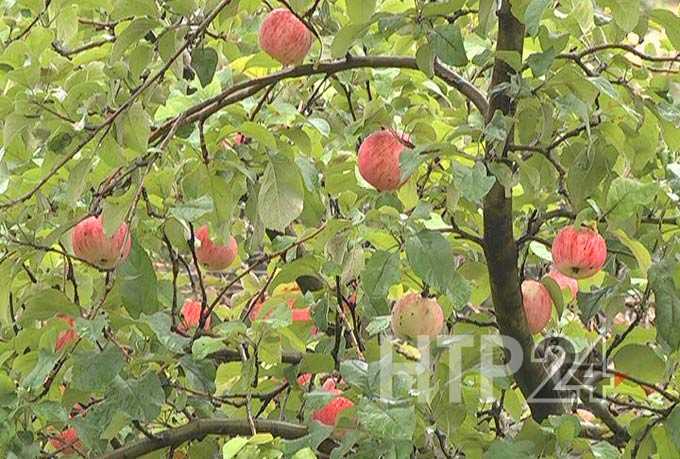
{"x":201,"y":427}
{"x":214,"y":104}
{"x":35,"y":20}
{"x":623,"y":47}
{"x":233,"y":355}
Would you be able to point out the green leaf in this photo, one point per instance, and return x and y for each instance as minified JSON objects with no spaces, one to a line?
{"x":127,"y":8}
{"x":672,"y":425}
{"x":140,"y":399}
{"x":183,"y":7}
{"x":567,"y":428}
{"x":94,"y":371}
{"x":317,"y":433}
{"x":505,"y":449}
{"x":4,"y":172}
{"x":42,"y":368}
{"x":200,"y":374}
{"x":206,"y":345}
{"x":671,"y":23}
{"x":136,"y":128}
{"x":512,"y":58}
{"x":46,"y":303}
{"x":382,"y":270}
{"x":664,"y":280}
{"x":131,"y":35}
{"x":67,"y":23}
{"x":360,"y":11}
{"x":425,"y":60}
{"x":640,"y":252}
{"x":281,"y":193}
{"x":473,"y":182}
{"x":194,"y":209}
{"x":167,"y":46}
{"x":233,"y":447}
{"x":137,"y":281}
{"x":305,"y":266}
{"x":447,"y":44}
{"x":387,"y":423}
{"x":608,"y":299}
{"x":486,"y":8}
{"x":626,"y":12}
{"x":114,"y":212}
{"x":316,"y":363}
{"x":533,"y":15}
{"x":445,"y":8}
{"x":432,"y":259}
{"x":77,"y":181}
{"x":641,"y":362}
{"x":49,"y":410}
{"x":344,"y":39}
{"x":378,"y":324}
{"x":14,"y":125}
{"x":259,"y":133}
{"x":355,"y":373}
{"x":555,"y":293}
{"x":585,"y":174}
{"x":204,"y":61}
{"x":626,"y":196}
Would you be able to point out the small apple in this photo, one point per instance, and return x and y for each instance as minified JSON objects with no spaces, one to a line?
{"x":284,"y":37}
{"x":565,"y":282}
{"x":329,"y":413}
{"x":414,"y":315}
{"x":91,"y":244}
{"x":213,"y":256}
{"x":66,"y":441}
{"x":579,"y":252}
{"x":66,"y":337}
{"x":191,"y":316}
{"x":379,"y":156}
{"x":537,"y":305}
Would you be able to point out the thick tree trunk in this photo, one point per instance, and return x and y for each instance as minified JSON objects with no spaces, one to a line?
{"x":500,"y":247}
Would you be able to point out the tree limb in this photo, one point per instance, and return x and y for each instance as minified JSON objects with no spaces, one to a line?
{"x":214,"y":104}
{"x":214,"y":426}
{"x":233,"y":355}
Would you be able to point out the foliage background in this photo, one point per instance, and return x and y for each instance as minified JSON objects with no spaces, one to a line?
{"x":122,"y":107}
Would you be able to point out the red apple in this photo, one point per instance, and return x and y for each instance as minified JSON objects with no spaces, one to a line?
{"x":91,"y":244}
{"x":330,"y":385}
{"x":284,"y":37}
{"x":213,"y":256}
{"x":537,"y":305}
{"x":304,"y":379}
{"x":379,"y":156}
{"x":66,"y":441}
{"x":66,"y":337}
{"x":297,"y":314}
{"x":565,"y":282}
{"x":240,"y":139}
{"x":414,"y":316}
{"x":329,"y":413}
{"x":191,"y":316}
{"x":579,"y":252}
